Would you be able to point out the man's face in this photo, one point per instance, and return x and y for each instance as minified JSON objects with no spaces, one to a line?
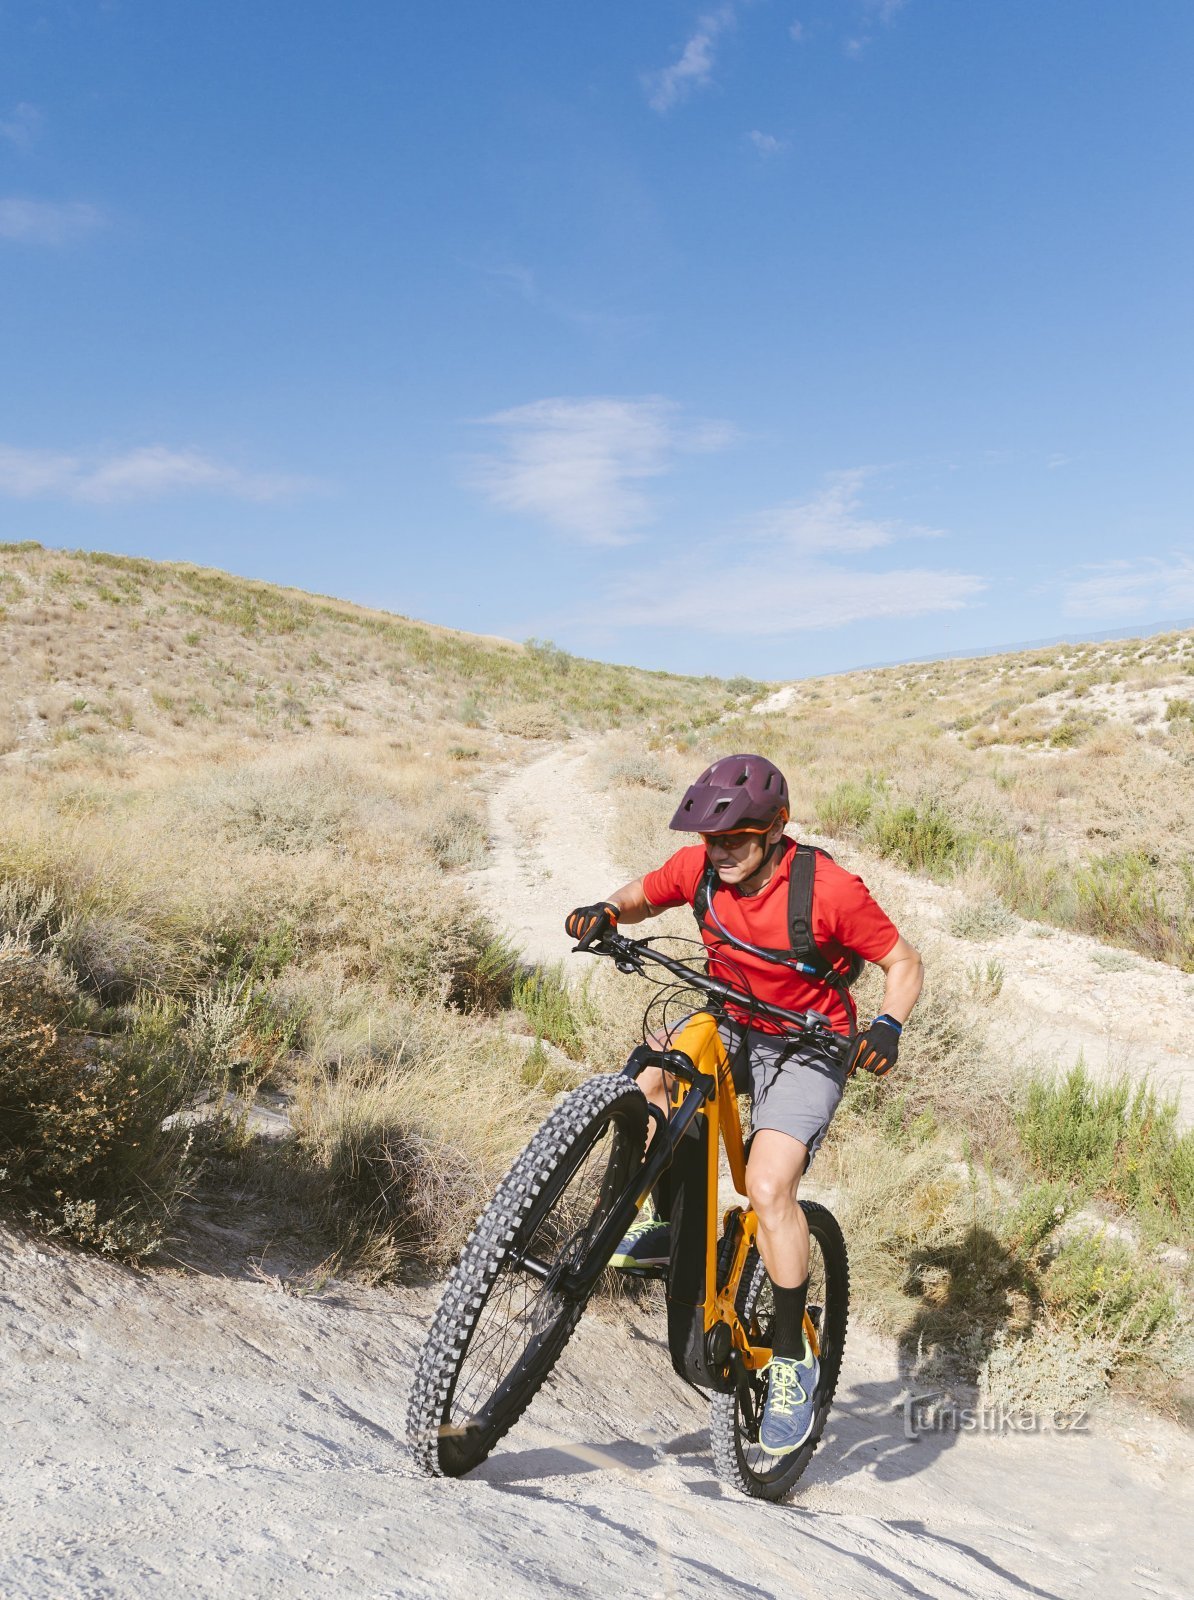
{"x":738,"y":856}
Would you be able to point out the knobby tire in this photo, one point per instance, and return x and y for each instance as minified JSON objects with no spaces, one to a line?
{"x":738,"y":1459}
{"x":499,"y":1330}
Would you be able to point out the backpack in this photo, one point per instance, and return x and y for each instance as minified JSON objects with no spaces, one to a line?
{"x":803,"y":955}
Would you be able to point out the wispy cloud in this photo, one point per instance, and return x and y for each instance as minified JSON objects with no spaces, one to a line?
{"x":582,"y":465}
{"x":523,"y":283}
{"x":766,"y":143}
{"x":693,"y":68}
{"x":1152,"y":585}
{"x":142,"y":474}
{"x":833,"y":521}
{"x":48,"y":221}
{"x":875,"y":13}
{"x":781,"y":571}
{"x":21,"y":126}
{"x":744,"y":602}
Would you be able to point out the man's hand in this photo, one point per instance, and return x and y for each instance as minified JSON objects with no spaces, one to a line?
{"x":598,"y":920}
{"x":877,"y":1049}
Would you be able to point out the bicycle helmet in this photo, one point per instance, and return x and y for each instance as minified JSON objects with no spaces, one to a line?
{"x":735,"y":792}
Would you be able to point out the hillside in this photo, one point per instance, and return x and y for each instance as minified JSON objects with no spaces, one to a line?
{"x":281,"y":883}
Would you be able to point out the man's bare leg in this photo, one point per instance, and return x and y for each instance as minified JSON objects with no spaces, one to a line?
{"x":773,"y":1176}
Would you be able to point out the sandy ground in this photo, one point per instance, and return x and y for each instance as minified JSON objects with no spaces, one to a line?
{"x":209,"y":1433}
{"x":548,"y":852}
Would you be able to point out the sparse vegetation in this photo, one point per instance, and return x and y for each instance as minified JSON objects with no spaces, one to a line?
{"x":1116,"y":1140}
{"x":231,"y":854}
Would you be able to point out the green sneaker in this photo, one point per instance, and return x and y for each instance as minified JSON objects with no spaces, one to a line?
{"x":647,"y":1246}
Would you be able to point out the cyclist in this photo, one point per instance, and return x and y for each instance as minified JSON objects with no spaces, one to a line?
{"x":745,"y":880}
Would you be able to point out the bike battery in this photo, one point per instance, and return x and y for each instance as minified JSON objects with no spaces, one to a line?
{"x":687,"y":1288}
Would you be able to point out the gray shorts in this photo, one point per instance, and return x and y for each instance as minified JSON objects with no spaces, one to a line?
{"x":793,"y":1088}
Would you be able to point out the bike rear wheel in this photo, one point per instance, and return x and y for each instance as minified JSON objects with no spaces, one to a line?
{"x":734,"y":1424}
{"x":503,"y":1319}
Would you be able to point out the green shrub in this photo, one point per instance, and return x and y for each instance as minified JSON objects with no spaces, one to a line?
{"x":924,"y":838}
{"x":848,"y":807}
{"x":1105,"y":1291}
{"x":556,"y":1012}
{"x":1119,"y":898}
{"x":1113,"y":1139}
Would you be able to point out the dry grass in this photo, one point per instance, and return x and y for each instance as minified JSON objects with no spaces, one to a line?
{"x":234,"y":825}
{"x":235,"y":818}
{"x":1058,"y":782}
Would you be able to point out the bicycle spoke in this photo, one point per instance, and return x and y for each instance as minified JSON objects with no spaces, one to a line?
{"x":524,"y":1307}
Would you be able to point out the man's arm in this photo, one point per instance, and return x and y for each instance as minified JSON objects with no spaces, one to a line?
{"x":632,"y":903}
{"x":905,"y":974}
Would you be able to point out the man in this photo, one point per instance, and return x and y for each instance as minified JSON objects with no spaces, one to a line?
{"x":740,"y":879}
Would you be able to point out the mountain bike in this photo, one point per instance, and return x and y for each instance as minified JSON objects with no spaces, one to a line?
{"x":538,"y":1250}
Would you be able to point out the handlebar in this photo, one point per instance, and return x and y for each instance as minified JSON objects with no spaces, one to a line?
{"x":629,"y":955}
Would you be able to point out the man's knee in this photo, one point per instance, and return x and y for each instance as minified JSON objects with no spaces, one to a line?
{"x":771,"y":1190}
{"x":652,"y":1082}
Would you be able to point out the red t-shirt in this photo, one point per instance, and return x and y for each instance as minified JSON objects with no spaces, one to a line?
{"x":845,"y":919}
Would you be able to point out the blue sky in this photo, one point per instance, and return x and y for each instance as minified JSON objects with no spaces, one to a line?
{"x":761,"y":336}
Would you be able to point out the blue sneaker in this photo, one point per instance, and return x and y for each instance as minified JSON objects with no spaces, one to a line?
{"x":791,"y":1402}
{"x":647,"y":1246}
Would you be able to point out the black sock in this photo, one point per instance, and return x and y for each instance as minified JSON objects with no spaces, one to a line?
{"x":787,"y":1338}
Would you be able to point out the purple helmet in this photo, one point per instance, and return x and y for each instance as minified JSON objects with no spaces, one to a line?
{"x":735,"y":792}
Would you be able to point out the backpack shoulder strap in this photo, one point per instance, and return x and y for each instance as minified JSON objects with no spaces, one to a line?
{"x":703,"y":895}
{"x":800,"y":902}
{"x":800,"y":916}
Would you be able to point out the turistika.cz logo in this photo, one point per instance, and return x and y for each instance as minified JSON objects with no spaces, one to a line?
{"x":939,"y":1412}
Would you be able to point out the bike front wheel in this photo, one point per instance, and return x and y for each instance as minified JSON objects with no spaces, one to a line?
{"x":734,"y":1424}
{"x":503,"y":1319}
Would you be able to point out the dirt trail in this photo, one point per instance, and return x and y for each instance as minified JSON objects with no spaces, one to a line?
{"x":193,"y":1436}
{"x":206,"y":1433}
{"x":547,"y":829}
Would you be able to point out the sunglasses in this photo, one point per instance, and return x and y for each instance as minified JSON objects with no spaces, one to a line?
{"x":734,"y":838}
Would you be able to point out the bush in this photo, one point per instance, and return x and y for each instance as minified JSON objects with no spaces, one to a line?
{"x":394,"y":1154}
{"x":1116,"y":1140}
{"x":556,"y":1012}
{"x":83,"y":1152}
{"x":531,"y":722}
{"x":458,"y":838}
{"x":1105,"y":1292}
{"x":445,"y":950}
{"x":924,"y":838}
{"x":981,"y":919}
{"x":1119,"y":899}
{"x":847,"y":808}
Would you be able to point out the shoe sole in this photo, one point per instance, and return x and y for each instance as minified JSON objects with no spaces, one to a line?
{"x":638,"y":1263}
{"x":788,"y":1448}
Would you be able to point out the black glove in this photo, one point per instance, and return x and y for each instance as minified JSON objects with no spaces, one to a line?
{"x":877,"y":1049}
{"x":597,"y":920}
